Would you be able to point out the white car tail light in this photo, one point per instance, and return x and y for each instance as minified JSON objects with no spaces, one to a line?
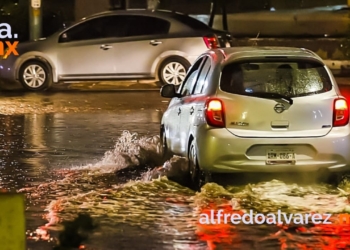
{"x":214,"y":113}
{"x":340,"y":113}
{"x":211,"y":42}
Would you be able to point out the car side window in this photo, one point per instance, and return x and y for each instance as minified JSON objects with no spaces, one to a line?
{"x":102,"y":27}
{"x":191,"y":78}
{"x":145,"y":25}
{"x":190,"y":83}
{"x":202,"y":77}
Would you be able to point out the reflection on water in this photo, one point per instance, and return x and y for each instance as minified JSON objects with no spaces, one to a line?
{"x":168,"y":214}
{"x":32,"y":146}
{"x":66,"y":164}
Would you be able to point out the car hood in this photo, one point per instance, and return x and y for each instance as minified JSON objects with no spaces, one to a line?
{"x":31,"y":45}
{"x":36,"y":41}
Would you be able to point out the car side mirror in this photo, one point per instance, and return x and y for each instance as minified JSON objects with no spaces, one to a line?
{"x":169,"y":91}
{"x":64,"y":38}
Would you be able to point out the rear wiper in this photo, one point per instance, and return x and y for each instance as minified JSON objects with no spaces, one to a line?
{"x":269,"y":95}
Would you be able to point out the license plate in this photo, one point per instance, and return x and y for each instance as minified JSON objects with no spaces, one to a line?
{"x":280,"y":156}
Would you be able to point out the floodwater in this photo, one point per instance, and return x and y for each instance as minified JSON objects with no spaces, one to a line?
{"x":94,"y":153}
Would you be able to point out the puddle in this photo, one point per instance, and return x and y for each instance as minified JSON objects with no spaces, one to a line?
{"x":169,"y":213}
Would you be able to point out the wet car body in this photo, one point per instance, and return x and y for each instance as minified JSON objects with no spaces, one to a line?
{"x":224,"y":130}
{"x":114,"y":45}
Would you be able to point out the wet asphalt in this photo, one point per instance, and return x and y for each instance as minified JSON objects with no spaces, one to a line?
{"x":61,"y":128}
{"x":44,"y":134}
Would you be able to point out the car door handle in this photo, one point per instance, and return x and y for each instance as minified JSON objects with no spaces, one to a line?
{"x":155,"y":42}
{"x":106,"y":46}
{"x":191,"y":110}
{"x":179,"y":112}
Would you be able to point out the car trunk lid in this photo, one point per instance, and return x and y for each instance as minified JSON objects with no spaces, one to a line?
{"x":261,"y":117}
{"x":272,"y":98}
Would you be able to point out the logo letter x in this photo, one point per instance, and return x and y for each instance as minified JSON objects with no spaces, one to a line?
{"x":12,"y":48}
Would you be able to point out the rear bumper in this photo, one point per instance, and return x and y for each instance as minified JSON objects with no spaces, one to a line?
{"x":219,"y":151}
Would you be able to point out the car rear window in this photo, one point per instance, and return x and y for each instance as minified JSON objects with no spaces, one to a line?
{"x":191,"y":22}
{"x":288,"y":78}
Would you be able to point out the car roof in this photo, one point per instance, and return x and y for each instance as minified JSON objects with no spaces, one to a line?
{"x":255,"y":52}
{"x":160,"y":13}
{"x":182,"y":22}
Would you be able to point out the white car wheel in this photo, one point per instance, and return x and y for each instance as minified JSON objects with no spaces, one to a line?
{"x":35,"y":76}
{"x":198,"y":177}
{"x":173,"y":71}
{"x":165,"y":153}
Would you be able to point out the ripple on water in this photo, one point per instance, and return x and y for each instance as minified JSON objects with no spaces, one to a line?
{"x":168,"y":213}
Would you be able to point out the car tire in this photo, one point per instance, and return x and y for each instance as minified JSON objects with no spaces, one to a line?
{"x":197,"y":176}
{"x":173,"y":70}
{"x":336,"y":179}
{"x":35,"y":76}
{"x":165,"y":152}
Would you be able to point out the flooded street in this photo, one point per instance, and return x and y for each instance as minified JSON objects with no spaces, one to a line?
{"x":94,"y":152}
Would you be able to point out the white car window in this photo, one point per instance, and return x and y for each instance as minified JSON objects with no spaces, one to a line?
{"x":144,"y":25}
{"x":102,"y":27}
{"x":202,"y":77}
{"x":191,"y":78}
{"x":190,"y":83}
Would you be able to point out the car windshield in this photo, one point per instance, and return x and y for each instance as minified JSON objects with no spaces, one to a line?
{"x":284,"y":78}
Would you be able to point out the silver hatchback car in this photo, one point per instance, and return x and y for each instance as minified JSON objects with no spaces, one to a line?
{"x":257,"y":109}
{"x":114,"y":45}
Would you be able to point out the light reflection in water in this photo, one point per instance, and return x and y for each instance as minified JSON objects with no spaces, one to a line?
{"x":161,"y":211}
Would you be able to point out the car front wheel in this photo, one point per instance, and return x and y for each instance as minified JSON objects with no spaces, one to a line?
{"x":173,"y":70}
{"x":35,"y":76}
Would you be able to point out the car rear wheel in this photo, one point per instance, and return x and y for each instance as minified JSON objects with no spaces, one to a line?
{"x":173,"y":70}
{"x":198,"y":177}
{"x":165,"y":153}
{"x":336,"y":179}
{"x":35,"y":76}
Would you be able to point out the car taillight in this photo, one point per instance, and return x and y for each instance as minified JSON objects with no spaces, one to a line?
{"x":214,"y":113}
{"x":340,"y":113}
{"x":211,"y":42}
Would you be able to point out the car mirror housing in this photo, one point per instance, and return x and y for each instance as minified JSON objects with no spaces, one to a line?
{"x":63,"y":38}
{"x":169,"y":91}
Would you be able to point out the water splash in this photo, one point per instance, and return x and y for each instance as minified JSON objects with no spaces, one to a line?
{"x":131,"y":150}
{"x":158,"y":205}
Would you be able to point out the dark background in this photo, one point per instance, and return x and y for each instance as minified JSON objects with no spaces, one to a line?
{"x":57,"y":12}
{"x":54,"y":14}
